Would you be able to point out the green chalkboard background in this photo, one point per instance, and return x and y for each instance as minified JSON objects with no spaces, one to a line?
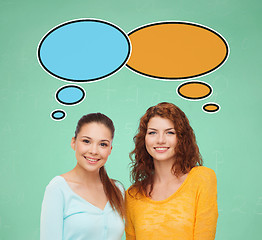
{"x":34,"y":148}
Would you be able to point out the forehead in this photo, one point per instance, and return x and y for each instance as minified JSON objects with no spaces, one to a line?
{"x":160,"y":123}
{"x":96,"y":131}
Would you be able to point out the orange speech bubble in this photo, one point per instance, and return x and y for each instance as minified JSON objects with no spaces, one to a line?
{"x":194,"y":90}
{"x":211,"y":107}
{"x":176,"y":50}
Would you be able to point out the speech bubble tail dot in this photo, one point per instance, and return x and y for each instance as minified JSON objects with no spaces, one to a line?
{"x":70,"y":95}
{"x":194,"y":90}
{"x":58,"y":115}
{"x":211,"y":107}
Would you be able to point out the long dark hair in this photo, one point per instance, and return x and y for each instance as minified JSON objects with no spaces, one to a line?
{"x":112,"y":192}
{"x":186,"y":156}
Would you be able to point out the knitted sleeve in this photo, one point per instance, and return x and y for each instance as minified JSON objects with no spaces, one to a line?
{"x":129,"y":228}
{"x":206,"y":210}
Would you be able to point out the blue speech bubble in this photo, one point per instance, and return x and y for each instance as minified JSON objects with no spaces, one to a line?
{"x":70,"y":95}
{"x":84,"y":50}
{"x":58,"y":115}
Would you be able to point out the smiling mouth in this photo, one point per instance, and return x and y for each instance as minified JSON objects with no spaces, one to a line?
{"x":161,"y":149}
{"x":91,"y":160}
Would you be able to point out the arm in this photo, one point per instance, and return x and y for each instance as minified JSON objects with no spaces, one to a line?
{"x":129,"y":228}
{"x":52,"y":214}
{"x":130,"y":237}
{"x":206,"y":212}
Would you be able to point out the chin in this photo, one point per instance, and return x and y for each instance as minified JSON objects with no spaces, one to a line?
{"x":90,"y":168}
{"x":164,"y":159}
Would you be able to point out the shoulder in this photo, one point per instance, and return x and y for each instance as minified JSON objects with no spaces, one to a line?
{"x":203,"y":172}
{"x":130,"y":197}
{"x":131,"y":190}
{"x":55,"y":191}
{"x":132,"y":193}
{"x":204,"y":176}
{"x":57,"y":183}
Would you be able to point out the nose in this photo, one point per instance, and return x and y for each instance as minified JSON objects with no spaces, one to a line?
{"x":161,"y":139}
{"x":93,"y":149}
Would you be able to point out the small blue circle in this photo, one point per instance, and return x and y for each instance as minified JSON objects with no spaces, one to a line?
{"x":58,"y":115}
{"x":70,"y":95}
{"x":84,"y":50}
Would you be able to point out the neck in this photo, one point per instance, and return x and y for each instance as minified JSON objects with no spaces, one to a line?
{"x":163,"y":172}
{"x":84,"y":177}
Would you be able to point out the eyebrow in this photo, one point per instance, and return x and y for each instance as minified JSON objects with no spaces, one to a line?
{"x":103,"y":140}
{"x":165,"y":129}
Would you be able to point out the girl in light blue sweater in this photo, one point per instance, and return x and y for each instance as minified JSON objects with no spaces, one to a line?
{"x":85,"y":203}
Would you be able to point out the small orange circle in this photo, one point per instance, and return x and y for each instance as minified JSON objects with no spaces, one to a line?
{"x":194,"y":90}
{"x":211,"y":107}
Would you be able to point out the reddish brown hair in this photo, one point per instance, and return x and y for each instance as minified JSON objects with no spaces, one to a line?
{"x":112,"y":192}
{"x":186,"y":156}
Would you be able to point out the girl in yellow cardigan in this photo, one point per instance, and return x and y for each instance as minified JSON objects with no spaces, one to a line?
{"x":173,"y":196}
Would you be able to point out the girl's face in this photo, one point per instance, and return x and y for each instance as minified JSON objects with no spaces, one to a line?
{"x":161,"y":139}
{"x":92,"y":146}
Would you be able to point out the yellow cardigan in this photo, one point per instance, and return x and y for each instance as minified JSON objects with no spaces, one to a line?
{"x":189,"y":214}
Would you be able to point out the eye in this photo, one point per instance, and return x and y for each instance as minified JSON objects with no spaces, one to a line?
{"x":86,"y":141}
{"x":151,"y":133}
{"x":170,"y":132}
{"x":103,"y":144}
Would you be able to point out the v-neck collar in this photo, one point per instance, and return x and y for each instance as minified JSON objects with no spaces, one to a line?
{"x":82,"y":199}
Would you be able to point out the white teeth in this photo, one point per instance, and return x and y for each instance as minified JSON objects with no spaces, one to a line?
{"x":91,"y":160}
{"x":161,"y":148}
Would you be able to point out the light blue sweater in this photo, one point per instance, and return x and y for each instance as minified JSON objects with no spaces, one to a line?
{"x":67,"y":216}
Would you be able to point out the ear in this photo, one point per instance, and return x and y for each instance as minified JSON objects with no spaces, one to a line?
{"x":73,"y":143}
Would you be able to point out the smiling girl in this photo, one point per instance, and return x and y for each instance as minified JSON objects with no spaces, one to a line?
{"x":85,"y":203}
{"x":173,"y":196}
